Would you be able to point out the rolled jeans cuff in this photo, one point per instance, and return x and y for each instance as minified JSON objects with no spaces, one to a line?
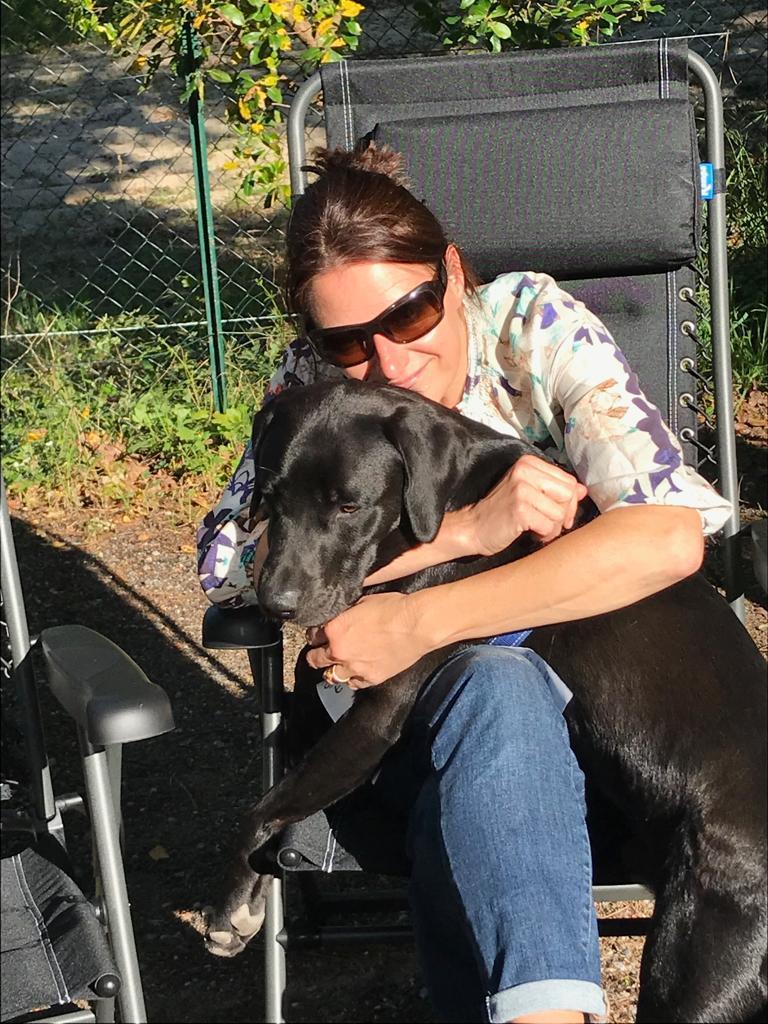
{"x":549,"y":994}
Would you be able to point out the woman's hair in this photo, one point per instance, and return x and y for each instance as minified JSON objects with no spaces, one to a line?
{"x":358,"y":209}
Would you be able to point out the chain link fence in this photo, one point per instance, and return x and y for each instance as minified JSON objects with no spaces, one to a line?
{"x":100,"y":230}
{"x":98,"y":201}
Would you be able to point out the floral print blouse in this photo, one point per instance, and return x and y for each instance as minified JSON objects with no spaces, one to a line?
{"x":541,"y":368}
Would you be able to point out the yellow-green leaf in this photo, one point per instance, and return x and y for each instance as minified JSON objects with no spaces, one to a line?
{"x":231,"y":13}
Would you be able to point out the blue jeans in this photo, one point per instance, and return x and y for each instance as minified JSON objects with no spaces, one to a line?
{"x":501,"y":878}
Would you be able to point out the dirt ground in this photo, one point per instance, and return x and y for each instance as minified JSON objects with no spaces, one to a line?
{"x":134,"y":581}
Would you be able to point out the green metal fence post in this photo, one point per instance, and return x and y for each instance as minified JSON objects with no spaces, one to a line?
{"x":206,"y":238}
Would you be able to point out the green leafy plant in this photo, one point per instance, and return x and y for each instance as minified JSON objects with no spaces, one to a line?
{"x":749,"y":343}
{"x":746,"y":137}
{"x":246,"y":47}
{"x":117,"y":417}
{"x":746,"y":202}
{"x":504,"y":24}
{"x":29,"y":26}
{"x":253,"y":48}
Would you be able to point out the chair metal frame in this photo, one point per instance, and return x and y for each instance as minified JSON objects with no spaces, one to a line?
{"x":263,"y":640}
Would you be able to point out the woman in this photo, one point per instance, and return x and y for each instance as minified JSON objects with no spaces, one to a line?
{"x":501,"y":868}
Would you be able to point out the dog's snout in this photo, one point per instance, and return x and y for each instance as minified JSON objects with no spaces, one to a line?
{"x":283,"y":605}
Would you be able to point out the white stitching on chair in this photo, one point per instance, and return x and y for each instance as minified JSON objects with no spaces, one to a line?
{"x":664,"y":90}
{"x":345,"y":99}
{"x":45,"y":942}
{"x":324,"y":865}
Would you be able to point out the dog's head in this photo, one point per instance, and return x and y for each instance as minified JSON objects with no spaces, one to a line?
{"x":342,"y":470}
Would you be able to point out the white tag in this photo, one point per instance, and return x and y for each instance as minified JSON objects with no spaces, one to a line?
{"x":337,"y":698}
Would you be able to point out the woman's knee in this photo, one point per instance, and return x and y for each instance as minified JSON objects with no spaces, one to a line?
{"x":495,"y":704}
{"x":499,"y":683}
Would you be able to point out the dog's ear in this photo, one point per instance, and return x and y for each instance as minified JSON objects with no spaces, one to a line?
{"x":427,"y":450}
{"x":261,"y":421}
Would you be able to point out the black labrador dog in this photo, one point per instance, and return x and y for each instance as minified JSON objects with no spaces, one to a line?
{"x":669,"y":711}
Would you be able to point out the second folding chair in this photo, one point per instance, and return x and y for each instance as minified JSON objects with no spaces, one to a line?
{"x":63,"y":948}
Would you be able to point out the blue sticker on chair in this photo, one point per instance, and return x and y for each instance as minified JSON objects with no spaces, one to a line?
{"x":707,"y":181}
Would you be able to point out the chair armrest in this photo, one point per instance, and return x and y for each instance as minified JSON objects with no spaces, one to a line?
{"x":101,"y":688}
{"x":238,"y":629}
{"x":759,"y":531}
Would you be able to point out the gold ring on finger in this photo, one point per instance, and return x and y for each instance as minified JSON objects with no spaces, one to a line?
{"x":331,"y":677}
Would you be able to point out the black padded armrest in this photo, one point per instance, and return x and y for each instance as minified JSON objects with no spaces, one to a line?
{"x":237,"y":629}
{"x":102,"y":689}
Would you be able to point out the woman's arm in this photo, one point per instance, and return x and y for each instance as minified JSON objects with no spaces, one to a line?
{"x":613,"y":561}
{"x":617,"y":559}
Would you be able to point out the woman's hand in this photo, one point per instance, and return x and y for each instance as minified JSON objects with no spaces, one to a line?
{"x":379,"y":636}
{"x":369,"y":642}
{"x":534,"y":495}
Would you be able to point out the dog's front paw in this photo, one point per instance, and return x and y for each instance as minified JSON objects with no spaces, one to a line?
{"x":231,"y":925}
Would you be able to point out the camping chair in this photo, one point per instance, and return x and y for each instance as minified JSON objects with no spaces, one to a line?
{"x":59,"y":946}
{"x":587,"y":159}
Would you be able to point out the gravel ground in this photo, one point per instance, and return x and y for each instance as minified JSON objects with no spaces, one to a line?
{"x":135,"y":582}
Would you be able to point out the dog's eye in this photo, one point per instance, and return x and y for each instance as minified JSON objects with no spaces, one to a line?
{"x":348,"y":509}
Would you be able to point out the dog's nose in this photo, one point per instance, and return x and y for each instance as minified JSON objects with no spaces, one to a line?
{"x":283,"y":605}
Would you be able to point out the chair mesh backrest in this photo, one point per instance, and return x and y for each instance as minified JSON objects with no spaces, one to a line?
{"x":578,"y":162}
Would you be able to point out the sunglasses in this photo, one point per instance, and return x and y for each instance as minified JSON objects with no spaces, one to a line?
{"x":406,"y":320}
